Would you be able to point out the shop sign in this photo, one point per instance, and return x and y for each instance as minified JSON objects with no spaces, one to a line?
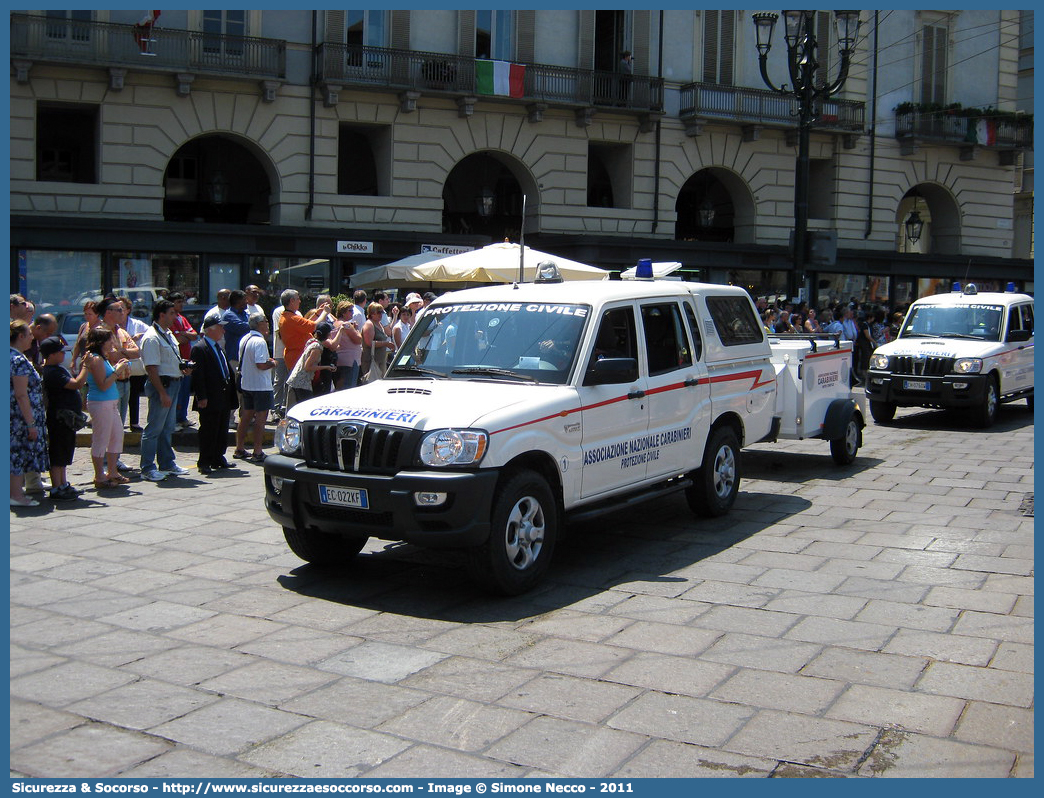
{"x":354,"y":247}
{"x":445,"y":249}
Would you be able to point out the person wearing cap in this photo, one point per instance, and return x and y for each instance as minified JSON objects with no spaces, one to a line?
{"x":62,"y":392}
{"x":300,"y":380}
{"x":255,"y":369}
{"x":213,"y":387}
{"x":407,"y":318}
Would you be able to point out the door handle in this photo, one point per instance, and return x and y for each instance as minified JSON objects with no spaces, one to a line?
{"x":691,"y":381}
{"x":635,"y":394}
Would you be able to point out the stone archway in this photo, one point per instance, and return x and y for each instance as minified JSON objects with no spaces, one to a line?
{"x":941,"y":215}
{"x":483,"y":196}
{"x":220,"y":179}
{"x":715,"y":205}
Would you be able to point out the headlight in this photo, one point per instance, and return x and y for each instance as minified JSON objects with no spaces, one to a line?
{"x":447,"y":447}
{"x":967,"y":365}
{"x":879,"y":362}
{"x":288,"y":436}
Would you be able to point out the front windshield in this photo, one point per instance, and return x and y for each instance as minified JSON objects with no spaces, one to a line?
{"x":520,"y":341}
{"x":981,"y":322}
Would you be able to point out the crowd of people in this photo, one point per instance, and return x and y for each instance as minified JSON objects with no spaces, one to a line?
{"x":242,"y":361}
{"x":867,"y":326}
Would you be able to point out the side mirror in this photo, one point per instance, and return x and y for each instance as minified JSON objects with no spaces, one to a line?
{"x":612,"y":371}
{"x":1017,"y":336}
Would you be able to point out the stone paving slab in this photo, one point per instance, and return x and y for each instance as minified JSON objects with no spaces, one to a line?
{"x":869,"y":621}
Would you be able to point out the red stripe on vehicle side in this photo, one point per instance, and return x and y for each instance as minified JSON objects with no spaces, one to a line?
{"x":755,"y":375}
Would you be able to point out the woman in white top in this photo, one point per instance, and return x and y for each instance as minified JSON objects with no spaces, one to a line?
{"x":402,"y":327}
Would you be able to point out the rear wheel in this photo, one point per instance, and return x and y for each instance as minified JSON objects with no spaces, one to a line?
{"x":716,"y":482}
{"x":986,"y":413}
{"x":844,"y":449}
{"x":522,"y":536}
{"x":883,"y":412}
{"x":322,"y":548}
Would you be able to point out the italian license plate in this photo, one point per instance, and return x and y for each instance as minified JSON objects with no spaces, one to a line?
{"x":344,"y":497}
{"x":915,"y":385}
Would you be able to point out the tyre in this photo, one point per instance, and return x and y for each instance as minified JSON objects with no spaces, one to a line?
{"x":883,"y":412}
{"x":1029,"y":402}
{"x":522,"y":536}
{"x":716,"y":482}
{"x":321,"y":548}
{"x":844,"y":449}
{"x":986,"y":413}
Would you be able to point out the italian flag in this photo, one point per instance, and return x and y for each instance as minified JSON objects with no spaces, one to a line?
{"x":499,"y":77}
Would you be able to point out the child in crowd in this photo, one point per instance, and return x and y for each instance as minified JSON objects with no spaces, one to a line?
{"x":61,"y":392}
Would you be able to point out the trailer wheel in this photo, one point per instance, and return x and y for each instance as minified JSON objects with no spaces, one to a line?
{"x":844,"y":449}
{"x":322,"y":548}
{"x":716,"y":482}
{"x":522,"y":536}
{"x":883,"y":412}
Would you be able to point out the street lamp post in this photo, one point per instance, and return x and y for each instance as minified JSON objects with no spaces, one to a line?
{"x":804,"y":67}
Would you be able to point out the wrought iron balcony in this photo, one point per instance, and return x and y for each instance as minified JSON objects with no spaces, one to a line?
{"x":995,"y":132}
{"x":106,"y":44}
{"x":739,"y":105}
{"x":382,"y":68}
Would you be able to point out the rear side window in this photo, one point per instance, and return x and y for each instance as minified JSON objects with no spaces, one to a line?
{"x":734,"y":320}
{"x":1026,"y":312}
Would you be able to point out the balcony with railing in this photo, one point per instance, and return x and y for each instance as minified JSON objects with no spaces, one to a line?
{"x":387,"y":69}
{"x":1004,"y":132}
{"x":38,"y":39}
{"x":712,"y":102}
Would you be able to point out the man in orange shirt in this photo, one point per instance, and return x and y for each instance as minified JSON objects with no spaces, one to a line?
{"x":294,"y":329}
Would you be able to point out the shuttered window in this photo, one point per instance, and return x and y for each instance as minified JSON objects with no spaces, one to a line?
{"x":719,"y":45}
{"x":934,"y":42}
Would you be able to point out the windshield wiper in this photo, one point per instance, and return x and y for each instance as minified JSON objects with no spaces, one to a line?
{"x":493,"y":372}
{"x":966,"y":335}
{"x":416,"y":370}
{"x":921,"y":335}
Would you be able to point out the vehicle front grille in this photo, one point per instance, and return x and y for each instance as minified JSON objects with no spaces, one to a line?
{"x":351,"y":447}
{"x":922,"y":367}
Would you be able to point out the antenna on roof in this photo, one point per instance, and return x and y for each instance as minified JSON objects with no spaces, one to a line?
{"x":522,"y":244}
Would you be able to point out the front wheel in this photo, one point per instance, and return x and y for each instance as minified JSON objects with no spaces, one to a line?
{"x":986,"y":413}
{"x":716,"y":482}
{"x":844,"y":449}
{"x":883,"y":412}
{"x":322,"y":548}
{"x":522,"y":536}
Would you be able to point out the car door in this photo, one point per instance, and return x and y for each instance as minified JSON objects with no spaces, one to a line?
{"x":1024,"y":349}
{"x":613,"y":416}
{"x":676,"y":395}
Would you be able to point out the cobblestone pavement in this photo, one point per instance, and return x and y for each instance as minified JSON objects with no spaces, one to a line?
{"x":871,"y":620}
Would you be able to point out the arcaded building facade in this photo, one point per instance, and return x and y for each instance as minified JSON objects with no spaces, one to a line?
{"x":214,"y":149}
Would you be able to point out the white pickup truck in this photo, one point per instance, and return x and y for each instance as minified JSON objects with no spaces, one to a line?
{"x":964,"y":349}
{"x":511,"y":410}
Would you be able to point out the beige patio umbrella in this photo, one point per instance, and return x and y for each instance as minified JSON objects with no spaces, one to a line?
{"x":397,"y":274}
{"x":499,"y":263}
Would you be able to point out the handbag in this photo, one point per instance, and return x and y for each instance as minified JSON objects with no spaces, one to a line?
{"x":73,"y":419}
{"x":375,"y":372}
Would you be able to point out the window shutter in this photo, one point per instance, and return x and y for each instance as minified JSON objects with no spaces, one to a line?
{"x":400,"y":30}
{"x":726,"y":47}
{"x":823,"y":29}
{"x":466,"y":33}
{"x":933,"y":64}
{"x":586,"y":45}
{"x":335,"y":27}
{"x":710,"y":46}
{"x":640,"y":42}
{"x":525,"y":44}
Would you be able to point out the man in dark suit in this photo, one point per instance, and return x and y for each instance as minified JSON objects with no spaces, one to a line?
{"x":215,"y":395}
